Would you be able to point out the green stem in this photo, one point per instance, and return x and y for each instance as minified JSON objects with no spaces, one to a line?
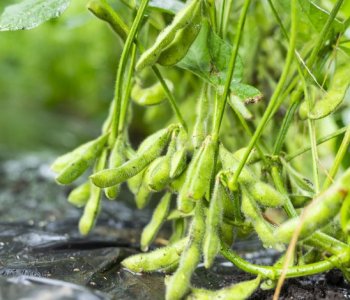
{"x":272,"y":105}
{"x":294,"y":271}
{"x":170,"y":97}
{"x":318,"y":142}
{"x":123,"y":59}
{"x":126,"y":98}
{"x":222,"y":16}
{"x":227,"y":18}
{"x":231,"y":67}
{"x":338,"y":159}
{"x":212,"y":14}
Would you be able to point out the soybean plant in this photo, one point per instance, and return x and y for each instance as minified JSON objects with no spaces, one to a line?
{"x":223,"y":172}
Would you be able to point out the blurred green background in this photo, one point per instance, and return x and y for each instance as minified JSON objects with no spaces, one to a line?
{"x":56,"y":82}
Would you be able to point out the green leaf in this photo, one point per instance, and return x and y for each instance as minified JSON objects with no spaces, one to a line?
{"x":245,"y":92}
{"x":168,"y":6}
{"x":209,"y":58}
{"x":29,"y":14}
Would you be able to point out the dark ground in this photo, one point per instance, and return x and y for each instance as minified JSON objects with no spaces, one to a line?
{"x":42,"y":255}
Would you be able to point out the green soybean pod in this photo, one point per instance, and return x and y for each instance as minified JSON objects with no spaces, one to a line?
{"x":230,"y":162}
{"x":92,"y":207}
{"x":335,"y":95}
{"x":265,"y":194}
{"x":110,"y":177}
{"x":103,"y":11}
{"x":152,"y":95}
{"x":211,"y":245}
{"x":179,"y":229}
{"x":178,"y":163}
{"x":253,"y":156}
{"x":178,"y":284}
{"x":227,"y":233}
{"x":201,"y":126}
{"x":143,"y":194}
{"x":252,"y":211}
{"x":182,"y":18}
{"x":81,"y":163}
{"x":135,"y":182}
{"x":203,"y":172}
{"x":345,"y":215}
{"x":157,"y":259}
{"x":319,"y":213}
{"x":184,"y":38}
{"x":159,"y":216}
{"x":238,"y":291}
{"x":80,"y":195}
{"x":117,"y":158}
{"x":159,"y":176}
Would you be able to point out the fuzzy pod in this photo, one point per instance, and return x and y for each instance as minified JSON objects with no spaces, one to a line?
{"x":93,"y":205}
{"x":211,"y":245}
{"x":80,"y":195}
{"x":179,"y":226}
{"x":178,"y":284}
{"x":319,"y":213}
{"x":178,"y":163}
{"x":103,"y":11}
{"x":201,"y":126}
{"x":157,"y":259}
{"x":152,"y":95}
{"x":238,"y":291}
{"x":116,"y":159}
{"x":143,"y":194}
{"x":182,"y":42}
{"x":82,"y":159}
{"x":182,"y":19}
{"x":110,"y":177}
{"x":230,"y":163}
{"x":265,"y":194}
{"x":158,"y":218}
{"x":204,"y":169}
{"x":227,"y":232}
{"x":134,"y":183}
{"x":264,"y":229}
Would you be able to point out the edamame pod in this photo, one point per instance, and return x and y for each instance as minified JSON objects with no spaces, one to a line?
{"x":178,"y":163}
{"x":183,"y":18}
{"x":227,"y":233}
{"x":184,"y":38}
{"x":80,"y":195}
{"x":252,"y":211}
{"x":211,"y":245}
{"x":178,"y":228}
{"x":178,"y":284}
{"x":184,"y":203}
{"x":335,"y":94}
{"x":265,"y":194}
{"x":83,"y":159}
{"x":230,"y":162}
{"x":135,"y":182}
{"x":152,"y":95}
{"x":116,"y":159}
{"x":103,"y":11}
{"x":157,"y":259}
{"x":204,"y":169}
{"x":201,"y":127}
{"x":238,"y":291}
{"x":143,"y":194}
{"x":319,"y":213}
{"x":159,"y":216}
{"x":92,"y":207}
{"x":110,"y":177}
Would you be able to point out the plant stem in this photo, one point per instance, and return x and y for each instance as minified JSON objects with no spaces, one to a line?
{"x":221,"y":106}
{"x":123,"y":59}
{"x":272,"y":105}
{"x":126,"y":98}
{"x":295,"y":271}
{"x":338,"y":159}
{"x":222,"y":16}
{"x":318,"y":142}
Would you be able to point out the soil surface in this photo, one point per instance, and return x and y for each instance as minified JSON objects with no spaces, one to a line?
{"x":42,"y":255}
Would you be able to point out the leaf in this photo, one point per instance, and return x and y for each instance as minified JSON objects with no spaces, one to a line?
{"x":168,"y":6}
{"x":311,"y":19}
{"x":29,"y":14}
{"x":245,"y":92}
{"x":209,"y":58}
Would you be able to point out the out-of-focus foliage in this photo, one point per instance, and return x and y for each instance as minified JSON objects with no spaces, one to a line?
{"x":56,"y":81}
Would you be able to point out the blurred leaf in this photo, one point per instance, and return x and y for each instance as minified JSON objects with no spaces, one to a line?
{"x":245,"y":92}
{"x":209,"y":58}
{"x":29,"y":14}
{"x":168,"y":6}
